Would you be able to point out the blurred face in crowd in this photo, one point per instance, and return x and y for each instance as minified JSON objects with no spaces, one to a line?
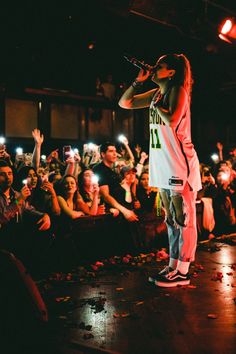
{"x":206,"y":176}
{"x":70,"y":186}
{"x":232,"y":152}
{"x":43,"y":173}
{"x":226,"y":168}
{"x":6,"y":177}
{"x":54,"y":166}
{"x":56,"y":177}
{"x":32,"y":179}
{"x":144,"y":181}
{"x":110,"y":156}
{"x":87,"y":178}
{"x":130,"y":177}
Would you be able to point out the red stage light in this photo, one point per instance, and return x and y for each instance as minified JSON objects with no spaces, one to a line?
{"x":224,"y":38}
{"x":228,"y":30}
{"x":226,"y":27}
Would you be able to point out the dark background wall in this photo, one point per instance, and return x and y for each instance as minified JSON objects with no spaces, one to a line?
{"x":65,"y":46}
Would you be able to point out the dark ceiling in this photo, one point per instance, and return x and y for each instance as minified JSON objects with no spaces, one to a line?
{"x":65,"y":45}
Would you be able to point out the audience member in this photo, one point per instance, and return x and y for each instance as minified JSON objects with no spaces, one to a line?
{"x":20,"y":223}
{"x":109,"y":180}
{"x":88,"y":196}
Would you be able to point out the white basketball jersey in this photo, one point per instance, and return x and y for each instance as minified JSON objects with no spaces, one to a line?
{"x":172,"y":158}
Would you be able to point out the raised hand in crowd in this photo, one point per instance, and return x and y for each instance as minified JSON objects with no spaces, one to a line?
{"x":143,"y":158}
{"x":38,"y":137}
{"x":219,"y":146}
{"x":24,"y":193}
{"x":130,"y":156}
{"x":38,"y":140}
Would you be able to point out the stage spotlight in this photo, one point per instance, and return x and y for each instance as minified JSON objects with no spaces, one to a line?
{"x":227,"y":26}
{"x":227,"y":30}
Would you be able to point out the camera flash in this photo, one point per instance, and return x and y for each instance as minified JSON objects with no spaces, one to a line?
{"x":95,"y":179}
{"x":25,"y":182}
{"x":215,"y":157}
{"x":121,"y":138}
{"x":224,"y":176}
{"x":76,"y":151}
{"x":90,"y":146}
{"x":43,"y":157}
{"x":19,"y":151}
{"x":2,"y":140}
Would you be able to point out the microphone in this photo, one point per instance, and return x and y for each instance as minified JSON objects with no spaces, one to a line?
{"x":138,"y":63}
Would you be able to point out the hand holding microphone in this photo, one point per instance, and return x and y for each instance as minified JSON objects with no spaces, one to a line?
{"x":145,"y":72}
{"x":138,"y":63}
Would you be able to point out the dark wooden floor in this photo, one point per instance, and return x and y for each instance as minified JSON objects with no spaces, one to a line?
{"x":115,"y":309}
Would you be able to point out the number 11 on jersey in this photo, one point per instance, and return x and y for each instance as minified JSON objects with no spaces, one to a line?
{"x":155,"y":142}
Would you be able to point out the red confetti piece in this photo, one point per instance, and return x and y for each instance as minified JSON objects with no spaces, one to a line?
{"x":192,"y":286}
{"x":125,"y":314}
{"x":162,"y":254}
{"x":119,"y":289}
{"x":199,"y":266}
{"x":116,"y":315}
{"x":128,"y":256}
{"x":217,"y":276}
{"x":139,"y":303}
{"x":212,"y":316}
{"x":94,"y":267}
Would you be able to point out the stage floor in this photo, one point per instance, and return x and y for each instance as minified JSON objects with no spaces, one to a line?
{"x":114,"y":309}
{"x":110,"y":307}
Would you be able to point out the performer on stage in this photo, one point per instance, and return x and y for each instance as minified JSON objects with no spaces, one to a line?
{"x":173,"y":162}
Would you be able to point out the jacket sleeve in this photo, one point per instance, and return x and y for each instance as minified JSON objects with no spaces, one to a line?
{"x":7,"y":212}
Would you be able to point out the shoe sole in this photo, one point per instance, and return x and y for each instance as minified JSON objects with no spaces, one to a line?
{"x":173,"y":284}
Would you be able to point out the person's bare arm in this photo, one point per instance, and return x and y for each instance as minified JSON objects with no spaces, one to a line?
{"x":128,"y":214}
{"x":84,"y":206}
{"x":38,"y":140}
{"x":131,"y":101}
{"x":129,"y":151}
{"x":73,"y":214}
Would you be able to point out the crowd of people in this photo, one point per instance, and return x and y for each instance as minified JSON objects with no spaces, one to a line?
{"x":43,"y":200}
